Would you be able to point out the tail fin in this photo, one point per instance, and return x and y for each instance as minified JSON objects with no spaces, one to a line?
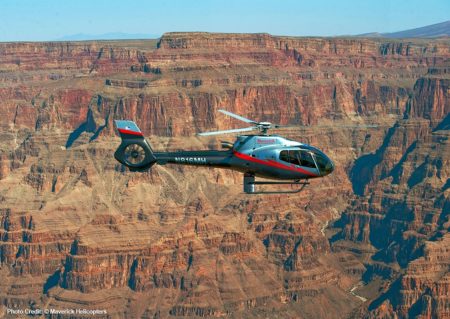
{"x":134,"y":152}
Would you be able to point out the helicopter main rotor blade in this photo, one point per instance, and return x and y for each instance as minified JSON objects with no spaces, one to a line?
{"x":326,"y":126}
{"x":352,"y":126}
{"x":245,"y":129}
{"x":243,"y":119}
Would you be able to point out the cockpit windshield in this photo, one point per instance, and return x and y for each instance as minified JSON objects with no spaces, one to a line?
{"x":324,"y":164}
{"x":298,"y":157}
{"x":305,"y":158}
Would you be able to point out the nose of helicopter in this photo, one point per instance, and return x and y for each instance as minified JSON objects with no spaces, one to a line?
{"x":324,"y":163}
{"x":331,"y":167}
{"x":328,"y":168}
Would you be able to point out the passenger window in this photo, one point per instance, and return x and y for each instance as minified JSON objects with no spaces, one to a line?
{"x":284,"y":156}
{"x":294,"y":158}
{"x":290,"y":157}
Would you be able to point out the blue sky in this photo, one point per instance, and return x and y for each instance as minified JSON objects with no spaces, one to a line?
{"x":27,"y":20}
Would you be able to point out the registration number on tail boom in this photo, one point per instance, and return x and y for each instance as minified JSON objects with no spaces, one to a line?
{"x":196,"y":160}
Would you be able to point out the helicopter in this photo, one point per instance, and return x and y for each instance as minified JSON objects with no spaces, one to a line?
{"x":260,"y":155}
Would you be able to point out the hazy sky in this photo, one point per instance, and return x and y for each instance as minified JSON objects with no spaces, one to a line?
{"x":41,"y":20}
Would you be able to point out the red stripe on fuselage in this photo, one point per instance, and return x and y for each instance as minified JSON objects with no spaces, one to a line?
{"x":273,"y":164}
{"x":123,"y":131}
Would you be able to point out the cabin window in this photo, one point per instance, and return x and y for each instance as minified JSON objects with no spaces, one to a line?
{"x":294,"y":158}
{"x":297,"y":157}
{"x":284,"y":156}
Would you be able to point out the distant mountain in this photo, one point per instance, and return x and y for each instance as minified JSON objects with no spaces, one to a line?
{"x":430,"y":31}
{"x":107,"y":36}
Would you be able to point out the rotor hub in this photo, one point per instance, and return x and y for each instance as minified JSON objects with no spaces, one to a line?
{"x":264,"y":127}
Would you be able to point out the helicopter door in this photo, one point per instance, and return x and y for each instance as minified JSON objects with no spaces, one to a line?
{"x":254,"y":146}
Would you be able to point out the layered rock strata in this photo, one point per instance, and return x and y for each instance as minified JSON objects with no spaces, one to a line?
{"x":79,"y":230}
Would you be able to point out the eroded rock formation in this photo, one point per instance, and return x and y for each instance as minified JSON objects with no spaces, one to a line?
{"x":79,"y":230}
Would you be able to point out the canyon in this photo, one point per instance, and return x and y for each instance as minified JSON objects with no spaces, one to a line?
{"x":79,"y":231}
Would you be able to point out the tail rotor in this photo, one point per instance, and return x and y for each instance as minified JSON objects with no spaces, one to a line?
{"x":134,"y":152}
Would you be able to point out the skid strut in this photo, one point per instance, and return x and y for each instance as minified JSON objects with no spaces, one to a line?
{"x":249,"y":185}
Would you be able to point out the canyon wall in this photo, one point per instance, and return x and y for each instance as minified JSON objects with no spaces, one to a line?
{"x":80,"y":230}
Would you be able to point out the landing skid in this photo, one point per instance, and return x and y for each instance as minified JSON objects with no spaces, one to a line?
{"x":249,"y":186}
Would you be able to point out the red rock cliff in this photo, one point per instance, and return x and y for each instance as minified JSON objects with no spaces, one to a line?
{"x":78,"y":230}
